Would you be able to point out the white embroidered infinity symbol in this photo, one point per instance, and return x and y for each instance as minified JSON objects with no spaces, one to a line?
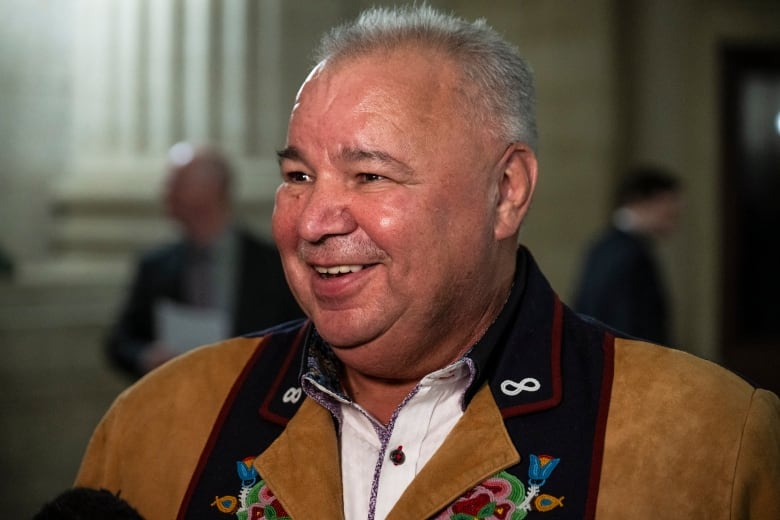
{"x":528,"y":384}
{"x":292,"y":395}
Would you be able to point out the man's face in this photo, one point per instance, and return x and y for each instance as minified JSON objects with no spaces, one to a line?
{"x":660,"y":214}
{"x":190,"y":196}
{"x":385,"y":217}
{"x":667,"y":213}
{"x":177,"y":194}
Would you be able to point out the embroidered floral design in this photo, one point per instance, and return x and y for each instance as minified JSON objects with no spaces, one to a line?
{"x":501,"y":497}
{"x":226,"y":504}
{"x":255,"y":501}
{"x":545,"y":502}
{"x":505,"y":497}
{"x":540,"y":469}
{"x":497,"y":497}
{"x":247,"y":472}
{"x":261,"y":504}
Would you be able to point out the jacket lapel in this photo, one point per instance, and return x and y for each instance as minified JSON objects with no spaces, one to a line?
{"x":477,"y":448}
{"x":305,"y":458}
{"x":302,"y":465}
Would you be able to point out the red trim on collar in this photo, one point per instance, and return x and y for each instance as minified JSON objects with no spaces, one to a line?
{"x":601,"y":426}
{"x":292,"y":354}
{"x":556,"y":335}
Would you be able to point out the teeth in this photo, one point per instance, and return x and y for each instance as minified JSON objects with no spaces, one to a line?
{"x":339,"y":269}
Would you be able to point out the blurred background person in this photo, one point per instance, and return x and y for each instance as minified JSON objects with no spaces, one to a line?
{"x":6,"y":265}
{"x":621,"y":282}
{"x":216,"y":281}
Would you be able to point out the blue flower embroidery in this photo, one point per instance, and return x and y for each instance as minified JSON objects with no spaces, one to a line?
{"x":540,"y":468}
{"x":246,"y":472}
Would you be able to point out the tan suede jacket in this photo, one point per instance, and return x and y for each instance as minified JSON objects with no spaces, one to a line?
{"x":684,"y":439}
{"x":636,"y":431}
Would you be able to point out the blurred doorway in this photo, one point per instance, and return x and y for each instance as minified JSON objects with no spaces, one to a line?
{"x":750,"y":141}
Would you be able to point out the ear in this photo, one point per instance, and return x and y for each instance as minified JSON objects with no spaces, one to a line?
{"x":515,"y":189}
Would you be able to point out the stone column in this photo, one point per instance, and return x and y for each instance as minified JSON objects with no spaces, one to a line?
{"x":148,"y":73}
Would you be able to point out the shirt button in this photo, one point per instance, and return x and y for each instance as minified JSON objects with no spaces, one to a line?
{"x":397,"y":456}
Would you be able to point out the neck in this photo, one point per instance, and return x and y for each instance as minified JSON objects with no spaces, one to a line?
{"x":379,"y":397}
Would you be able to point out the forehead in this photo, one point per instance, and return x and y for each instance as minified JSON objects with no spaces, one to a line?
{"x":399,"y":87}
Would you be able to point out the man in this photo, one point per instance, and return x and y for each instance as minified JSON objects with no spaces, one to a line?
{"x":442,"y":376}
{"x":217,"y":278}
{"x":621,"y":283}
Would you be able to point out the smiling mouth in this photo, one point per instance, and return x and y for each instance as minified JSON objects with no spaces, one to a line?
{"x":337,"y":270}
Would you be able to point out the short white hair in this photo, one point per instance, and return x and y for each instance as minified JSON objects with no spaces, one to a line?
{"x":503,"y":87}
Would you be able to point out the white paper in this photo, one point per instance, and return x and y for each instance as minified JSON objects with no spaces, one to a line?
{"x":184,"y":327}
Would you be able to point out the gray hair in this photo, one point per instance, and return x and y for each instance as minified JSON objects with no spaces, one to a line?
{"x":503,"y":93}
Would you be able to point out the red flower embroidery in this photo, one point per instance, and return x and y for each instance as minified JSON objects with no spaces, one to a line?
{"x":472,"y":505}
{"x":491,"y":499}
{"x":268,"y":506}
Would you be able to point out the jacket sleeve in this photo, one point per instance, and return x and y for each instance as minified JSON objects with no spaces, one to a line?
{"x":756,"y":491}
{"x":148,"y":445}
{"x":97,"y":462}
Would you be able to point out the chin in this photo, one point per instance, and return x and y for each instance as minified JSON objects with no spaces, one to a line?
{"x":343,"y":325}
{"x":343,"y":333}
{"x":340,"y":339}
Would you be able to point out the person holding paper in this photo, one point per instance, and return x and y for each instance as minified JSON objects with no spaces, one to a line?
{"x":216,"y":281}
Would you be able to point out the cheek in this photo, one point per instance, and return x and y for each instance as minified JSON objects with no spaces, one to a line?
{"x":283,"y":222}
{"x":386,"y":222}
{"x":285,"y":234}
{"x":389,"y":227}
{"x":392,"y":223}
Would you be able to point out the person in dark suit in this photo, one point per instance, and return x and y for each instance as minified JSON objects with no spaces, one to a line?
{"x":217,"y":271}
{"x":621,"y":283}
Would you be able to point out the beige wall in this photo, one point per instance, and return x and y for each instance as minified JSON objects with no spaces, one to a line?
{"x":617,"y":82}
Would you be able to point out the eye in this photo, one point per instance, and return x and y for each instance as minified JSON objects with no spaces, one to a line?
{"x":370,"y":177}
{"x":296,"y":177}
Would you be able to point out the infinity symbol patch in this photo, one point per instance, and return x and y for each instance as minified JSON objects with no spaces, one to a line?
{"x":528,"y":384}
{"x":292,"y":395}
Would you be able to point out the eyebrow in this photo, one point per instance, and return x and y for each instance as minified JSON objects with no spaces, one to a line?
{"x":357,"y":154}
{"x":350,"y":155}
{"x":290,"y":152}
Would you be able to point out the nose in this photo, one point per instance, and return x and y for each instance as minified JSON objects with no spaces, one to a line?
{"x":327,"y":211}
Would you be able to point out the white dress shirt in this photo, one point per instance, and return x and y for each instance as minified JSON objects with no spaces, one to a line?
{"x":372,"y":482}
